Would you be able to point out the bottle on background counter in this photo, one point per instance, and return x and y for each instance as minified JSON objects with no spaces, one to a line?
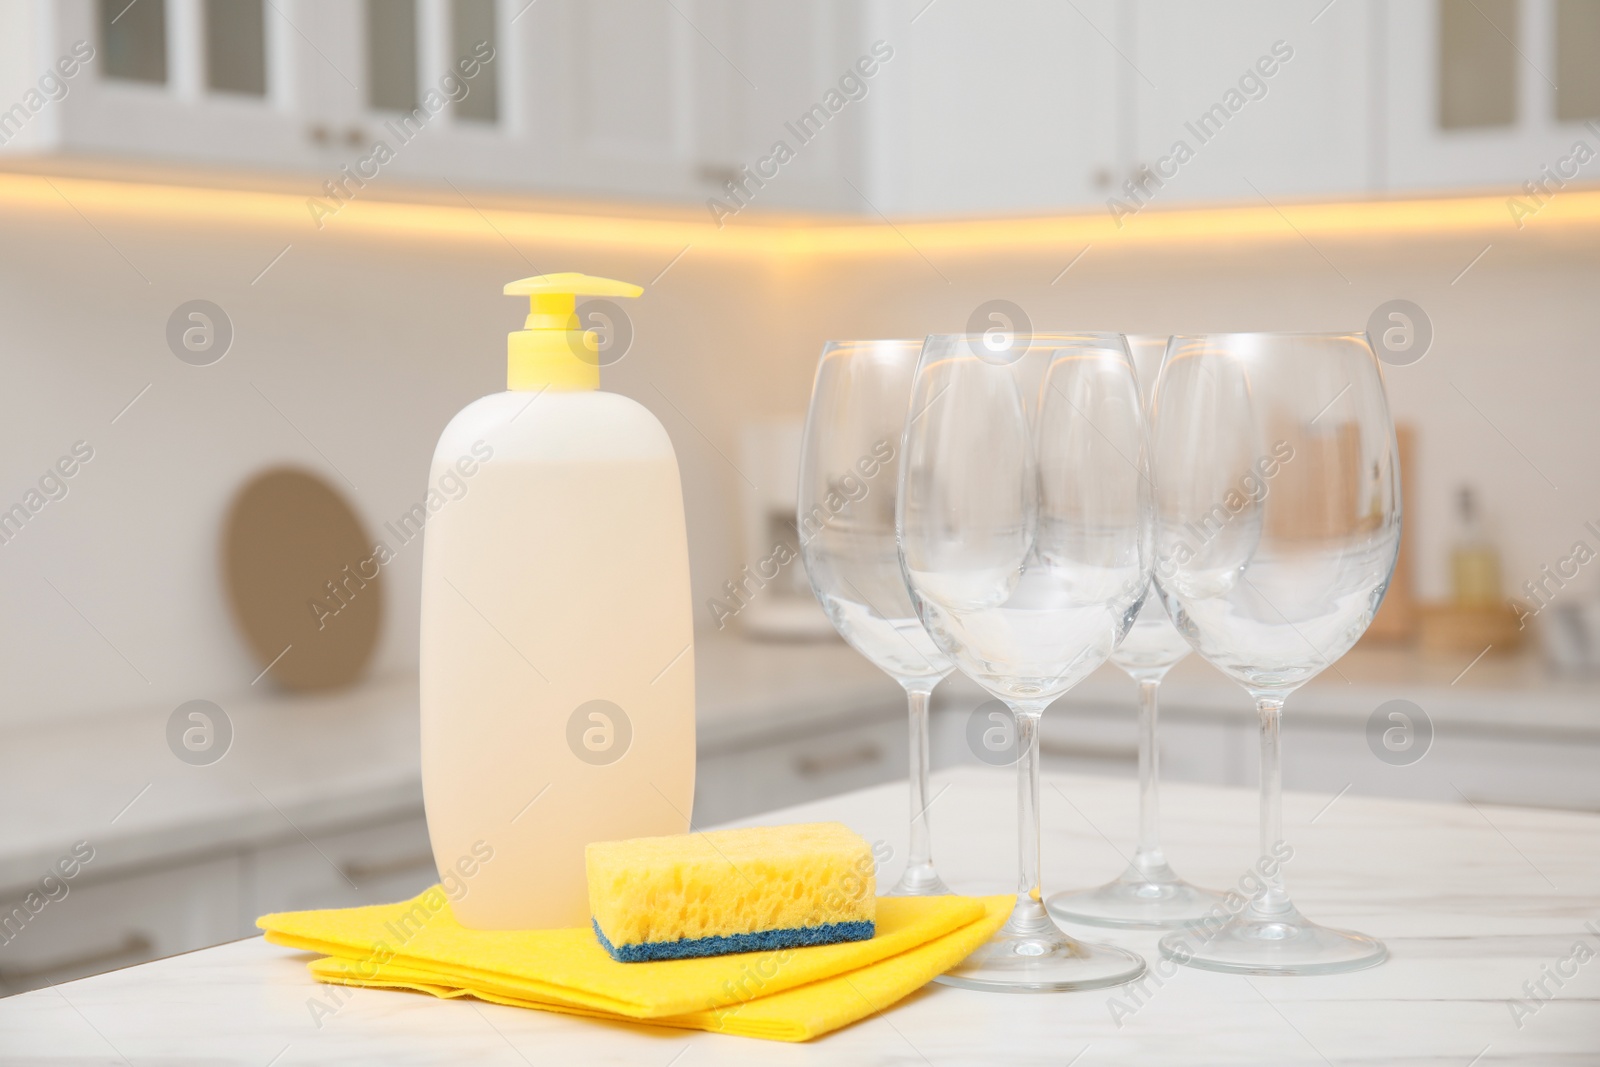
{"x":1474,"y":563}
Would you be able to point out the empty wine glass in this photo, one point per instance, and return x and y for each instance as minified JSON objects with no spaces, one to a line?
{"x":848,"y":487}
{"x":1023,"y":520}
{"x":1277,"y":501}
{"x":1149,"y":893}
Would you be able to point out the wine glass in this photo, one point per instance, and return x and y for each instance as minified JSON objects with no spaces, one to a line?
{"x":1277,"y":501}
{"x":1149,"y":893}
{"x":1024,"y":535}
{"x":848,"y":487}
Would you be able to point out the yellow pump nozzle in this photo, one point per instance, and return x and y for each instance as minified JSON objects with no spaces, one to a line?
{"x":552,"y":350}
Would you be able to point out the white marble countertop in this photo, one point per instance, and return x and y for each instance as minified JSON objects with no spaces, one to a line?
{"x":749,"y":690}
{"x":1496,"y":695}
{"x":1473,"y":903}
{"x":754,"y":687}
{"x":308,"y":764}
{"x":295,"y":765}
{"x":752,"y":691}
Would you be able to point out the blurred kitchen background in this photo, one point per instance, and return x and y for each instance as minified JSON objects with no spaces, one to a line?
{"x":936,"y":155}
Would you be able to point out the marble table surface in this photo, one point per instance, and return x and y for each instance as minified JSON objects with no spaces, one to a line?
{"x":1478,"y":905}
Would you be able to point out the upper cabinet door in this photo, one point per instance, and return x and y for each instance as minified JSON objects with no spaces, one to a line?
{"x":612,"y":86}
{"x":443,"y":94}
{"x":1490,"y":92}
{"x":783,"y":104}
{"x":687,"y":100}
{"x":996,"y":108}
{"x":421,"y":89}
{"x":319,"y":57}
{"x":196,"y":81}
{"x":1238,"y":100}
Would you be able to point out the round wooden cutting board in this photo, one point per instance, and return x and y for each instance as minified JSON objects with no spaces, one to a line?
{"x":301,"y":580}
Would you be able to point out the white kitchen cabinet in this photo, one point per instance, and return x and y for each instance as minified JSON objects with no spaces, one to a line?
{"x":1242,"y":99}
{"x":993,"y":109}
{"x":1322,"y":754}
{"x":1505,"y":145}
{"x":1079,"y":736}
{"x":1104,"y":740}
{"x":129,"y":917}
{"x":490,"y":136}
{"x":179,"y":117}
{"x":612,"y":101}
{"x":1484,"y":768}
{"x":26,"y":121}
{"x":380,"y":863}
{"x":969,"y":108}
{"x":792,"y":75}
{"x":662,"y":101}
{"x":122,"y":920}
{"x":1033,"y":108}
{"x":319,"y":109}
{"x":612,"y":97}
{"x":792,"y":767}
{"x":316,"y":111}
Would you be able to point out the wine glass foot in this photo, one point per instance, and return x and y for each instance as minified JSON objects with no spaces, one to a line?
{"x":1287,"y":944}
{"x":1138,"y":900}
{"x":1030,"y":954}
{"x":921,"y":881}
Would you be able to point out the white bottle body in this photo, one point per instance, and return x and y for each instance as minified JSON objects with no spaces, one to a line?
{"x":559,"y":578}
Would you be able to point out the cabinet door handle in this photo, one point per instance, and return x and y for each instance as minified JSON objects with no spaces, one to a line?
{"x":1105,"y":753}
{"x":134,"y":944}
{"x":817,"y":766}
{"x":717,"y":174}
{"x":356,"y":872}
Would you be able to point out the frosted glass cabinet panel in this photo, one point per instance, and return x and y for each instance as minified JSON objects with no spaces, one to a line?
{"x":172,"y":80}
{"x":236,"y":46}
{"x":1473,"y":98}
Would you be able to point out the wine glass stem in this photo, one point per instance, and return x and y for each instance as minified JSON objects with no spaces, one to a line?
{"x":919,"y":864}
{"x":1149,"y":771}
{"x":1273,"y":899}
{"x":1028,"y":806}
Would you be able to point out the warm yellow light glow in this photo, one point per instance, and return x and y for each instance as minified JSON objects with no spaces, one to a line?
{"x":548,"y":225}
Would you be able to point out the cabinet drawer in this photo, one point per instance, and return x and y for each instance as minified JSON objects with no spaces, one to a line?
{"x":1098,"y":739}
{"x":1103,"y":740}
{"x":1089,"y":743}
{"x":1325,"y":758}
{"x":376,"y":864}
{"x":732,"y":785}
{"x":100,"y":926}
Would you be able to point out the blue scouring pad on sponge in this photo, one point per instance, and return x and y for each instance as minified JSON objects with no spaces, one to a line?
{"x":751,"y":890}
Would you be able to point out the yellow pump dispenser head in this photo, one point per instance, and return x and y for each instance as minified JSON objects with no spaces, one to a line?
{"x":552,"y":350}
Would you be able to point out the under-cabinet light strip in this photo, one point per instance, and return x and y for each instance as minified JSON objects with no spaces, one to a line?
{"x":548,"y":225}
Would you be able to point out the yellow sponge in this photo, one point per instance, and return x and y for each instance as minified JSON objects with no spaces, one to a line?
{"x":727,"y":891}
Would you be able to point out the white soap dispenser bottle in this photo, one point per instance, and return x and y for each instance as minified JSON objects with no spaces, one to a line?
{"x":557,"y":653}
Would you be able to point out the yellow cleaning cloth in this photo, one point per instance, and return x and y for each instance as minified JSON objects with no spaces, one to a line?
{"x":785,"y":994}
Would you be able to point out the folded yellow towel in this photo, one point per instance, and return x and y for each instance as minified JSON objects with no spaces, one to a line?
{"x":784,"y":994}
